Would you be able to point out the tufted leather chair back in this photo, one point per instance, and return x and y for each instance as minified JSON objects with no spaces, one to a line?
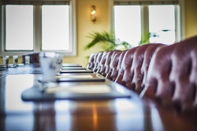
{"x":106,"y":65}
{"x":113,"y":65}
{"x":102,"y":62}
{"x":93,"y":65}
{"x":172,"y":76}
{"x":97,"y":61}
{"x":147,"y":59}
{"x":117,"y":68}
{"x":135,"y":65}
{"x":125,"y":75}
{"x":90,"y":65}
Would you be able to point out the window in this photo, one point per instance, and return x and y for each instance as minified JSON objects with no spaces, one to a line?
{"x":55,"y":37}
{"x":128,"y":23}
{"x":162,"y":23}
{"x":134,"y":20}
{"x":19,"y":34}
{"x":38,"y":26}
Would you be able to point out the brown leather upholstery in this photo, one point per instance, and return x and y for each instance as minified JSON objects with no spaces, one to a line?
{"x":125,"y":67}
{"x":96,"y":61}
{"x":113,"y":65}
{"x":90,"y":65}
{"x":101,"y":62}
{"x":134,"y":66}
{"x":106,"y":63}
{"x":125,"y":74}
{"x":147,"y":59}
{"x":116,"y":69}
{"x":165,"y":74}
{"x":172,"y":76}
{"x":110,"y":56}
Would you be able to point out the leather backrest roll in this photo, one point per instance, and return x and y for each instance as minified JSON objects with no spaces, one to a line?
{"x":172,"y":76}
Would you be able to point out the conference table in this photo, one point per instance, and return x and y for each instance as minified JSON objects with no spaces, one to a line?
{"x":87,"y":112}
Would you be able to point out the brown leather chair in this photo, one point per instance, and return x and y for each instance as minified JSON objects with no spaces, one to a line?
{"x":134,"y":66}
{"x":106,"y":67}
{"x":147,"y":59}
{"x":132,"y":79}
{"x":102,"y":62}
{"x":125,"y":74}
{"x":117,"y":68}
{"x":105,"y":63}
{"x":172,"y":76}
{"x":97,"y":61}
{"x":113,"y":65}
{"x":90,"y":65}
{"x":94,"y":60}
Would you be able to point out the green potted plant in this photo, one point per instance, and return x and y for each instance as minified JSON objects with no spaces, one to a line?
{"x":108,"y":41}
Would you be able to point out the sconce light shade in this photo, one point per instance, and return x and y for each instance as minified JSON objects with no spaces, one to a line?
{"x":93,"y":13}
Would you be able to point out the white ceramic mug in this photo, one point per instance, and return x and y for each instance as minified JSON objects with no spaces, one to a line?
{"x":48,"y":66}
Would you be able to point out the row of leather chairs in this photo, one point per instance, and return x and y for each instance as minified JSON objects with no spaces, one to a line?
{"x":167,"y":74}
{"x":128,"y":67}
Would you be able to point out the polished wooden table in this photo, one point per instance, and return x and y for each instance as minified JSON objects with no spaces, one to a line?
{"x":121,"y":114}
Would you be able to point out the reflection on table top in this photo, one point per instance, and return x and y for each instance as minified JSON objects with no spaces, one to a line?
{"x":122,"y":114}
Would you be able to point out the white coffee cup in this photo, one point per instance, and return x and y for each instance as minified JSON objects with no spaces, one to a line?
{"x":48,"y":66}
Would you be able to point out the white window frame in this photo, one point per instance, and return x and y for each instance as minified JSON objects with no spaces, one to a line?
{"x":179,"y":14}
{"x":37,"y":31}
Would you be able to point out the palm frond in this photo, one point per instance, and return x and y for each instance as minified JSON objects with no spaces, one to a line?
{"x":107,"y":40}
{"x":126,"y":44}
{"x":103,"y":37}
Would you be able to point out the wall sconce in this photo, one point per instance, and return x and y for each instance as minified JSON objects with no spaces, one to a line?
{"x":93,"y":13}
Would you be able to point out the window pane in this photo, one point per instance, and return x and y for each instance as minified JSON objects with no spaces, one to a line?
{"x":55,"y":23}
{"x":162,"y":24}
{"x":19,"y":27}
{"x":128,"y":23}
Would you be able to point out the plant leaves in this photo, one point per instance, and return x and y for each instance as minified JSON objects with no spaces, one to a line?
{"x":108,"y":39}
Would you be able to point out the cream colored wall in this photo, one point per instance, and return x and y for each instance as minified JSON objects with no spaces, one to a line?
{"x":190,"y":18}
{"x":86,"y":26}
